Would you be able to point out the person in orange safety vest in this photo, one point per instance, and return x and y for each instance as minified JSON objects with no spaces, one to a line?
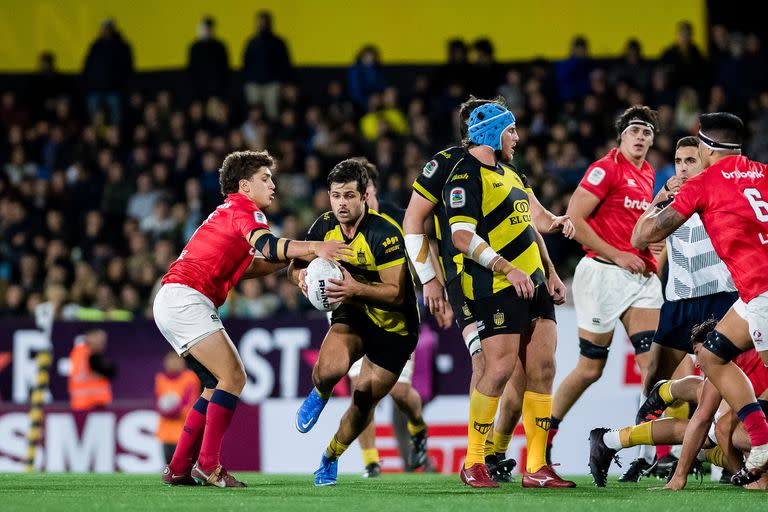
{"x":90,"y":372}
{"x":176,"y":389}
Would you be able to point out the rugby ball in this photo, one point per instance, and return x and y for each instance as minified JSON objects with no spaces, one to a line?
{"x":319,"y":272}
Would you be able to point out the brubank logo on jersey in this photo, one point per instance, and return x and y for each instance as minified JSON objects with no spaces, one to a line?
{"x":741,"y":174}
{"x":636,"y":204}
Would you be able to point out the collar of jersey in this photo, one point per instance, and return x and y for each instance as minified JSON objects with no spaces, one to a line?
{"x":366,"y":216}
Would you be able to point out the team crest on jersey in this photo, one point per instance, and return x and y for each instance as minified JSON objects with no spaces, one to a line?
{"x":596,"y":176}
{"x":361,"y":257}
{"x":260,"y":217}
{"x":430,"y":168}
{"x":465,"y":310}
{"x":498,"y":318}
{"x":458,"y":197}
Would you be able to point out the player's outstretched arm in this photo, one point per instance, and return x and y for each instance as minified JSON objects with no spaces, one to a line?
{"x":390,"y":292}
{"x":695,"y":435}
{"x":282,"y":249}
{"x":655,"y":225}
{"x":419,"y":254}
{"x":547,"y":222}
{"x":260,"y":267}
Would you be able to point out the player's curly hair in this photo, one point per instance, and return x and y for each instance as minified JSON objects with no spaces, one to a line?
{"x":371,"y":170}
{"x":700,"y":331}
{"x":466,"y":109}
{"x":346,"y":171}
{"x":640,"y":112}
{"x":241,"y":165}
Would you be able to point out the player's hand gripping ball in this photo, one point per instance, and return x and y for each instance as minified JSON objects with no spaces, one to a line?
{"x":319,"y":272}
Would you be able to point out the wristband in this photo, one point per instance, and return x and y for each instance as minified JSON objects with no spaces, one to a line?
{"x":667,"y":188}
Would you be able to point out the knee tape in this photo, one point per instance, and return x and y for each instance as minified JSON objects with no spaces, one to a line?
{"x":592,"y":351}
{"x":472,"y":341}
{"x":721,"y":346}
{"x":642,"y":341}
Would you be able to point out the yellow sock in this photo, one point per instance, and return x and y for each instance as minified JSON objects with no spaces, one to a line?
{"x":415,"y":428}
{"x":370,"y":455}
{"x":489,"y":448}
{"x":324,"y":396}
{"x":335,"y":448}
{"x":501,"y":442}
{"x":482,"y":410}
{"x":537,"y":413}
{"x":714,"y":455}
{"x":680,"y":410}
{"x":665,"y":391}
{"x":636,"y":435}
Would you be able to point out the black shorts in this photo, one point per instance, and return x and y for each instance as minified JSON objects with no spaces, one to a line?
{"x":460,"y":304}
{"x":677,"y":318}
{"x":506,"y":313}
{"x":383,"y":348}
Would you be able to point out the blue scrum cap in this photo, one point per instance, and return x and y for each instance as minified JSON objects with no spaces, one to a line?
{"x":486,"y":124}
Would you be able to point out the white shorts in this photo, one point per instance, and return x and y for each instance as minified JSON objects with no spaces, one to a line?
{"x":405,"y":376}
{"x":755,"y":312}
{"x":603,"y":292}
{"x":184,"y":316}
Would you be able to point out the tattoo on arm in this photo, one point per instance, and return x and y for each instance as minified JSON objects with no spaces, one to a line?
{"x":666,"y":219}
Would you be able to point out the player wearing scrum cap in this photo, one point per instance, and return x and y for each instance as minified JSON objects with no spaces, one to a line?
{"x":378,"y":317}
{"x":489,"y":210}
{"x":614,"y":281}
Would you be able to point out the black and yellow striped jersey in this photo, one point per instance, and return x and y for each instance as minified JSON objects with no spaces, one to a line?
{"x":377,"y":245}
{"x":392,"y":213}
{"x":429,"y":185}
{"x":495,"y":200}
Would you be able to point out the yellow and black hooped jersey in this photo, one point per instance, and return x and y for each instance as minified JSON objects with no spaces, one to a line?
{"x":429,"y":185}
{"x":377,"y":245}
{"x":495,"y":201}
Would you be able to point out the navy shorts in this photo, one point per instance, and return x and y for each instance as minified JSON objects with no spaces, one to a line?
{"x":678,"y":318}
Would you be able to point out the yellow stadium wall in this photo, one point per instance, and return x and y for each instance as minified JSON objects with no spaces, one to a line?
{"x":329,"y":32}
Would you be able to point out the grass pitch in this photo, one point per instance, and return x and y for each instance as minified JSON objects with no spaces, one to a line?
{"x":412,"y":492}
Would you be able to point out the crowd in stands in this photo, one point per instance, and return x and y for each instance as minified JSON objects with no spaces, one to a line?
{"x":102,"y":183}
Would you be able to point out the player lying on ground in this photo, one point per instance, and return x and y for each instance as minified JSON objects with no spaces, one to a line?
{"x":378,"y":317}
{"x":605,"y":443}
{"x":219,"y":254}
{"x":729,"y":195}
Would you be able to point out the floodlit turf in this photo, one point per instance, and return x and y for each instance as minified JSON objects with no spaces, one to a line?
{"x":415,"y":492}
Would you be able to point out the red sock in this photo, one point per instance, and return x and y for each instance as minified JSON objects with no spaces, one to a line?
{"x":662,"y":451}
{"x":753,"y":418}
{"x":189,"y":442}
{"x":217,"y":420}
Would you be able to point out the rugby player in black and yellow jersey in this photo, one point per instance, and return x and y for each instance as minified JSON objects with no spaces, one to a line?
{"x":513,"y":296}
{"x":404,"y":395}
{"x":378,"y":316}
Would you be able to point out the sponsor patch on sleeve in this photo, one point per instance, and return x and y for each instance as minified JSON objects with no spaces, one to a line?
{"x":260,"y":217}
{"x":430,"y":168}
{"x":458,"y":197}
{"x":596,"y":176}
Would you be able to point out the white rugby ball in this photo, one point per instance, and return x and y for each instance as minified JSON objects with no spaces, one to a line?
{"x":319,"y":272}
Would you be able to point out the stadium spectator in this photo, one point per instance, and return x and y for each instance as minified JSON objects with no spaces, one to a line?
{"x":90,"y":372}
{"x":632,"y":67}
{"x":46,"y":87}
{"x":266,"y":65}
{"x":208,"y":64}
{"x":108,"y":66}
{"x":176,"y":390}
{"x":573,"y":73}
{"x":365,"y":77}
{"x":683,"y":60}
{"x":456,"y":70}
{"x":485,"y":73}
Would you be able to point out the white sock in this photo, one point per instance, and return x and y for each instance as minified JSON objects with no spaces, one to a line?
{"x":611,"y":440}
{"x":700,"y":457}
{"x":677,"y":450}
